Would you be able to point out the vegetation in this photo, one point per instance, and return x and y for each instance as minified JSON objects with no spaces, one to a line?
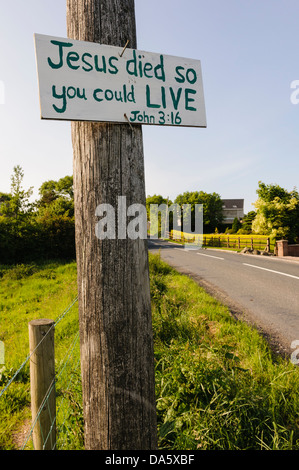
{"x":228,"y":240}
{"x":277,"y":212}
{"x":246,"y":223}
{"x":218,"y":385}
{"x":43,"y":229}
{"x":212,"y":208}
{"x":28,"y":292}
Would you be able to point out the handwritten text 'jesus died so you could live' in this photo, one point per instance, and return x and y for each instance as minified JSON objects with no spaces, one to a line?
{"x":86,"y":81}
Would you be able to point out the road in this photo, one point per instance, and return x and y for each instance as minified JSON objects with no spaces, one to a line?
{"x":261,"y":290}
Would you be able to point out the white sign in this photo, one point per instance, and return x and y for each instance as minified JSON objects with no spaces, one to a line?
{"x":87,"y":81}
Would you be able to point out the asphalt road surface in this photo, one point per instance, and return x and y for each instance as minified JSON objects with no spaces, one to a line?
{"x":261,"y":290}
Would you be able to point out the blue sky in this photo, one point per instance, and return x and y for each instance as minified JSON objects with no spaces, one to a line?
{"x":249,"y":55}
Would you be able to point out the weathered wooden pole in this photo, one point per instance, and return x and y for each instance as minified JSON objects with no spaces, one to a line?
{"x":116,"y":340}
{"x":42,"y":385}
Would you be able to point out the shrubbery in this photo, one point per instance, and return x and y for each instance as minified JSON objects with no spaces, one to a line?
{"x":44,"y":229}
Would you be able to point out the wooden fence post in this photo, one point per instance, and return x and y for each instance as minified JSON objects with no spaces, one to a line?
{"x":42,"y":380}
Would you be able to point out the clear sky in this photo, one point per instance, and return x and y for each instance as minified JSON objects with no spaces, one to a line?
{"x":249,"y":55}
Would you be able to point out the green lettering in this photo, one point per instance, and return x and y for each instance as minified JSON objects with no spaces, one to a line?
{"x":95,"y":94}
{"x":61,"y":97}
{"x":87,"y":63}
{"x":134,"y":63}
{"x":194,"y":79}
{"x":163,"y":96}
{"x":113,"y":69}
{"x":188,"y":99}
{"x":60,"y":45}
{"x":135,"y":113}
{"x":131,"y":95}
{"x":148,"y":99}
{"x":96,"y":62}
{"x":175,"y":99}
{"x":147,"y":68}
{"x":119,"y":97}
{"x":83,"y":95}
{"x":181,"y":78}
{"x":162,"y":117}
{"x":140,"y":66}
{"x":109,"y":95}
{"x":72,"y":57}
{"x":71,"y":92}
{"x":160,"y":68}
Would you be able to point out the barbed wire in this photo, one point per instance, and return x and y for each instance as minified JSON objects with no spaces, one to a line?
{"x":52,"y":388}
{"x":32,"y":352}
{"x":45,"y":401}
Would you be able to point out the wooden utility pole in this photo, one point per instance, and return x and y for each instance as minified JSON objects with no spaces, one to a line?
{"x":42,"y":380}
{"x":117,"y":358}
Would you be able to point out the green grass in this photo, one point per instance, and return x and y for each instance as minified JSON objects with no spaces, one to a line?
{"x":29,"y":292}
{"x":218,"y":385}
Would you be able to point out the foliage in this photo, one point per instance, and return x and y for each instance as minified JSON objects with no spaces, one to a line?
{"x":277,"y":212}
{"x":28,"y":292}
{"x":17,"y":203}
{"x":218,"y":385}
{"x":156,"y":218}
{"x":212,"y":208}
{"x":40,"y":230}
{"x":247,"y":220}
{"x":52,"y":190}
{"x":236,"y":225}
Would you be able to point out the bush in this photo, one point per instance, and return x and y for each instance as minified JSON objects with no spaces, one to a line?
{"x":33,"y":239}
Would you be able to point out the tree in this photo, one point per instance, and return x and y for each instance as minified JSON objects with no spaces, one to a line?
{"x":43,"y":229}
{"x":17,"y":203}
{"x":236,"y":225}
{"x":52,"y":190}
{"x":4,"y":201}
{"x":155,"y":199}
{"x":155,"y":217}
{"x":246,"y":224}
{"x":212,"y":208}
{"x":277,"y":212}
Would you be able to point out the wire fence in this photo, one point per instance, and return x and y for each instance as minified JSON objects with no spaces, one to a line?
{"x":67,"y":419}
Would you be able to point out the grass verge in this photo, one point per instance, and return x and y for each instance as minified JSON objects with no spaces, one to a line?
{"x":217,"y":384}
{"x":29,"y":292}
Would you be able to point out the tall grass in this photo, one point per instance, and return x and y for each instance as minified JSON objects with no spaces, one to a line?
{"x":29,"y":292}
{"x":218,"y":386}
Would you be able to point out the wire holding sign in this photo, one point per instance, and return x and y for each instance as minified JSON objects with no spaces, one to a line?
{"x":87,"y":81}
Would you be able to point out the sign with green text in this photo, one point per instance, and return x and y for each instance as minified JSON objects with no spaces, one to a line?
{"x":84,"y":81}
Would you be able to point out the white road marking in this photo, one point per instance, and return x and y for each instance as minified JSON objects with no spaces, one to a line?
{"x":210,"y":256}
{"x":271,"y":270}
